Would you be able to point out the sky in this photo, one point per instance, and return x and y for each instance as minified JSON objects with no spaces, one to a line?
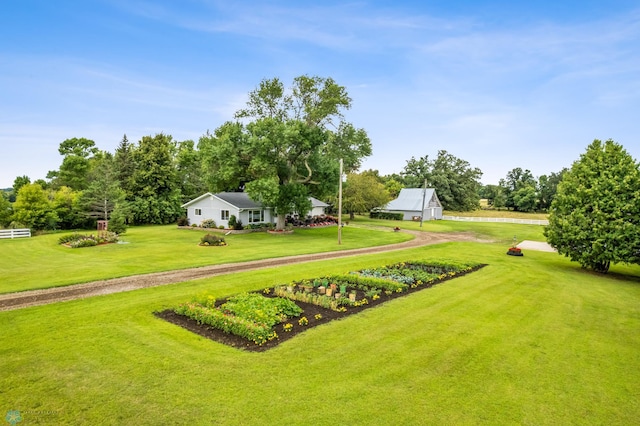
{"x":500,"y":84}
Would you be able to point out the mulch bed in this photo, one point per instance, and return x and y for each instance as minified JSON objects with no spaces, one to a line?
{"x":309,"y":311}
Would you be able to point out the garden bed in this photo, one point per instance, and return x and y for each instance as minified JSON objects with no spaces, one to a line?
{"x":366,"y":297}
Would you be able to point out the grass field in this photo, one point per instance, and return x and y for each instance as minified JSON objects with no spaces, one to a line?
{"x":531,"y":340}
{"x":39,"y":262}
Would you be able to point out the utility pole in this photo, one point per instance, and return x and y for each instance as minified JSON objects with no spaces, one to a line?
{"x":424,"y":195}
{"x":340,"y":205}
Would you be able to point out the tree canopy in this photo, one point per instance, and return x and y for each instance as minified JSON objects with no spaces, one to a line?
{"x":362,"y":192}
{"x":595,"y":216}
{"x":456,"y":182}
{"x":285,"y":145}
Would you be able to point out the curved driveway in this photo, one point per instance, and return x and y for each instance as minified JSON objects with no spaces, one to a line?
{"x":24,"y":299}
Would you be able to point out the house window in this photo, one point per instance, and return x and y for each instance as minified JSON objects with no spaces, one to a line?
{"x":224,"y":214}
{"x":256,"y":216}
{"x":198,"y":212}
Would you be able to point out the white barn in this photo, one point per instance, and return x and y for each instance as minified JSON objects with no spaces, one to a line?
{"x":221,"y":206}
{"x":409,"y":203}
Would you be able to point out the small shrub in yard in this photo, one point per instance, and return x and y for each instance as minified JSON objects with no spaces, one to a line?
{"x":212,"y":240}
{"x":183,"y":221}
{"x":208,"y":223}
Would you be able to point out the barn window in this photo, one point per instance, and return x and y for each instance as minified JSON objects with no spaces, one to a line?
{"x":198,"y":212}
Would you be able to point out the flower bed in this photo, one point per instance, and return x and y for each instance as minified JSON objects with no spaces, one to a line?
{"x":258,"y":321}
{"x":515,"y":251}
{"x":76,"y":240}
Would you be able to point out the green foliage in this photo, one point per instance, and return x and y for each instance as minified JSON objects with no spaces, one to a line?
{"x":385,"y":215}
{"x":362,"y":192}
{"x":34,"y":209}
{"x":189,"y":171}
{"x":212,"y":240}
{"x":247,"y":315}
{"x":76,"y":164}
{"x":156,"y":198}
{"x":76,"y":240}
{"x":517,"y":180}
{"x":6,"y":210}
{"x":250,"y":330}
{"x":456,"y":183}
{"x":595,"y":216}
{"x":290,"y":148}
{"x":118,"y":219}
{"x":254,"y":307}
{"x":234,"y":223}
{"x":19,"y":182}
{"x":208,"y":223}
{"x":103,"y":192}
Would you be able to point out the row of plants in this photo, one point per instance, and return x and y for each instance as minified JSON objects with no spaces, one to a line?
{"x":77,"y":240}
{"x":416,"y":273}
{"x":248,"y":315}
{"x":254,"y":316}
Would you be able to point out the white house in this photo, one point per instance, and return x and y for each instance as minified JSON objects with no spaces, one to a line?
{"x":220,"y":207}
{"x":410,"y":202}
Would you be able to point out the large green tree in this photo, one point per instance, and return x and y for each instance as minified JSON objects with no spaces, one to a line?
{"x":154,"y":189}
{"x":33,"y":208}
{"x":363,"y":192}
{"x":103,"y":194}
{"x":595,"y":216}
{"x":76,"y":163}
{"x":189,"y":171}
{"x":286,"y":145}
{"x":456,"y":182}
{"x":517,"y":188}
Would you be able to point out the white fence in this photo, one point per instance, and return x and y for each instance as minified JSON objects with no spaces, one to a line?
{"x":496,"y":219}
{"x":15,"y":233}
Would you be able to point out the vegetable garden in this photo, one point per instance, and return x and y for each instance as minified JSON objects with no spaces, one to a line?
{"x":261,"y":320}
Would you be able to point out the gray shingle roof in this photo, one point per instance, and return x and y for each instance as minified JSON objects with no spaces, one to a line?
{"x":238,"y":199}
{"x":410,"y":199}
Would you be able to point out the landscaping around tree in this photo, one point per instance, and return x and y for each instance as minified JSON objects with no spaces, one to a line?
{"x":256,"y":322}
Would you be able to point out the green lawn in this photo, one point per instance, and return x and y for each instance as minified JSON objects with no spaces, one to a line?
{"x":531,"y":340}
{"x":40,"y":262}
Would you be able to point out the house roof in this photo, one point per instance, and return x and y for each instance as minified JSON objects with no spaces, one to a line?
{"x":317,"y":203}
{"x":410,"y":199}
{"x":241,"y":200}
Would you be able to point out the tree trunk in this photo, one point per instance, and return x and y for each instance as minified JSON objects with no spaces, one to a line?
{"x":280,"y":222}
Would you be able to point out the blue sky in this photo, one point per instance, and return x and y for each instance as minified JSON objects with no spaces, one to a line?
{"x":501,"y":84}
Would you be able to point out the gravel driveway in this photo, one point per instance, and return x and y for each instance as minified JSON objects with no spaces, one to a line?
{"x":24,"y":299}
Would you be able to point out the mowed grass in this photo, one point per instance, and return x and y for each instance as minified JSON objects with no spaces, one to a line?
{"x":532,"y":340}
{"x":40,"y":262}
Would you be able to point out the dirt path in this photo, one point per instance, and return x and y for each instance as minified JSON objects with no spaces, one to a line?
{"x":24,"y":299}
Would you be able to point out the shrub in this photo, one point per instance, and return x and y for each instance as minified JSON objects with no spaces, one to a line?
{"x":232,"y":221}
{"x":385,"y":215}
{"x":183,"y":221}
{"x":208,"y":223}
{"x":238,"y":225}
{"x":212,"y":240}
